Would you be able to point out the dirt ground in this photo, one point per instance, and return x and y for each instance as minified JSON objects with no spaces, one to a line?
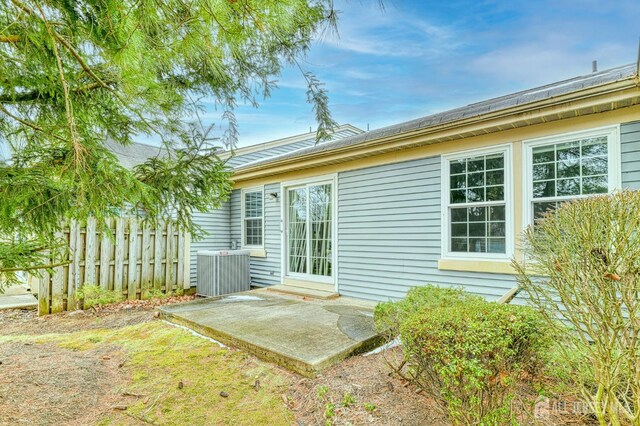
{"x":368,"y":379}
{"x":44,"y":384}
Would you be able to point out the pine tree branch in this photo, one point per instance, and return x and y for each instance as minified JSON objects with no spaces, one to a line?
{"x":75,"y":140}
{"x":9,"y":38}
{"x":28,"y":123}
{"x":35,"y":268}
{"x":37,"y":95}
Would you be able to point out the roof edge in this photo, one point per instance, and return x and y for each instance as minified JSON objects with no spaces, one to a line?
{"x":508,"y":115}
{"x":283,"y":141}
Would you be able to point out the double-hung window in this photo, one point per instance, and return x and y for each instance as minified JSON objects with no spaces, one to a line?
{"x":565,"y":167}
{"x":476,"y":195}
{"x":252,"y":217}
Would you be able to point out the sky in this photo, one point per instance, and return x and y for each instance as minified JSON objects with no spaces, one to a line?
{"x":416,"y":58}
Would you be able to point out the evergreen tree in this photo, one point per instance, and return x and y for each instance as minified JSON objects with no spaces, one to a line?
{"x":74,"y":74}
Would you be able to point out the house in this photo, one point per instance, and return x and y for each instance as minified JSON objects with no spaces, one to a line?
{"x":442,"y":199}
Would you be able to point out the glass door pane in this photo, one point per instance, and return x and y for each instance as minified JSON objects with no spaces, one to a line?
{"x":297,"y":230}
{"x":320,"y":224}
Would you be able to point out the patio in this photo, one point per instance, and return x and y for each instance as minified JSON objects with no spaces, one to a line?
{"x":297,"y":333}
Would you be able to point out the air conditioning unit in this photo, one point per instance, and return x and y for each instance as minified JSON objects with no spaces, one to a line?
{"x":223,"y":272}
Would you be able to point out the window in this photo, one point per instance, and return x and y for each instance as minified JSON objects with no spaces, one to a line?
{"x":565,"y":167}
{"x":476,"y":194}
{"x":252,"y":217}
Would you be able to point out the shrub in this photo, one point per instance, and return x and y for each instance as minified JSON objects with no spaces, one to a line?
{"x":465,"y":352}
{"x":390,"y":315}
{"x":583,"y":267}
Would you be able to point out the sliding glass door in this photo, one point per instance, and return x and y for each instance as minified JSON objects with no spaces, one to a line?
{"x":310,"y":231}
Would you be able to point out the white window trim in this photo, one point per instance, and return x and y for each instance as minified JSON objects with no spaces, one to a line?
{"x":614,"y":161}
{"x":242,"y":216}
{"x":507,"y":149}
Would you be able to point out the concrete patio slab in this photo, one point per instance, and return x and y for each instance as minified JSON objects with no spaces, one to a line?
{"x":302,"y":335}
{"x":18,"y":301}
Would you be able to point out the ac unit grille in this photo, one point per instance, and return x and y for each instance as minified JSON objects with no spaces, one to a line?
{"x":223,"y":272}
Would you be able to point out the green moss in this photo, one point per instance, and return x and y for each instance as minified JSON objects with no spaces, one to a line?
{"x":158,"y":293}
{"x":159,"y":357}
{"x":95,"y":295}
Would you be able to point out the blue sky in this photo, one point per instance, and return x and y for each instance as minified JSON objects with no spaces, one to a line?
{"x":416,"y":58}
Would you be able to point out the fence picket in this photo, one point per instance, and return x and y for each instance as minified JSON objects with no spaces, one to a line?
{"x":180,"y":267}
{"x":105,"y":259}
{"x":157,"y":258}
{"x":90,"y":252}
{"x":57,"y":286}
{"x":44,"y":286}
{"x":133,"y":259}
{"x":145,"y":269}
{"x":168,"y":260}
{"x":72,"y":235}
{"x":186,"y":279}
{"x":119,"y":261}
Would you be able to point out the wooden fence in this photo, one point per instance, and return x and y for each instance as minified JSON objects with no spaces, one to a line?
{"x":132,"y":261}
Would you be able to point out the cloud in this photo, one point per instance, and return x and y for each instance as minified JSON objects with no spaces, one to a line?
{"x":560,"y":43}
{"x":358,"y":74}
{"x":532,"y":64}
{"x":391,"y":33}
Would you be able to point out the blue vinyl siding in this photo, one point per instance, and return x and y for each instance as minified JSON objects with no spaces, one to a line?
{"x":630,"y":153}
{"x":216,"y":225}
{"x":265,"y":271}
{"x":389,"y":234}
